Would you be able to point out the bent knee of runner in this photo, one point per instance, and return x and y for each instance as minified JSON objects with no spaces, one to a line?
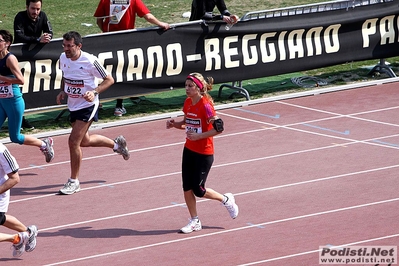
{"x":85,"y":143}
{"x":199,"y":191}
{"x":72,"y":142}
{"x":17,"y":138}
{"x":2,"y":218}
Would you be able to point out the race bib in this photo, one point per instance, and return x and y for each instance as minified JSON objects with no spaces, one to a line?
{"x":193,"y":125}
{"x":6,"y":90}
{"x":117,"y":10}
{"x":74,"y":88}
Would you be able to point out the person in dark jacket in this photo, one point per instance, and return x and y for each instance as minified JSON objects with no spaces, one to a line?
{"x":32,"y":26}
{"x":203,"y":9}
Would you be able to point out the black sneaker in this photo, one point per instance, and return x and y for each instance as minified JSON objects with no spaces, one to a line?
{"x":26,"y":124}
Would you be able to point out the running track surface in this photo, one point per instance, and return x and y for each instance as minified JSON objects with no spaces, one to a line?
{"x":306,"y":172}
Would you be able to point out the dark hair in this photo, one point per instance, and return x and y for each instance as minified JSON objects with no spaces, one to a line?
{"x":73,"y":35}
{"x":7,"y":36}
{"x":32,"y":1}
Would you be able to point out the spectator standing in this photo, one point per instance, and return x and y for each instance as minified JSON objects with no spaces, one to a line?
{"x":201,"y":124}
{"x":12,"y":105}
{"x":32,"y":26}
{"x":25,"y":239}
{"x":80,"y":71}
{"x":114,"y":15}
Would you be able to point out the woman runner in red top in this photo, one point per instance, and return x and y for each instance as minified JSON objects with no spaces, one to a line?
{"x":201,"y":124}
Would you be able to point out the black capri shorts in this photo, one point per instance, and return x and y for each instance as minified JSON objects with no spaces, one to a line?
{"x":2,"y":218}
{"x":195,"y":169}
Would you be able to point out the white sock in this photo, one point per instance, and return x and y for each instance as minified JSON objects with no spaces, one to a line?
{"x":76,"y":181}
{"x":116,"y":146}
{"x":43,"y":145}
{"x":225,"y":199}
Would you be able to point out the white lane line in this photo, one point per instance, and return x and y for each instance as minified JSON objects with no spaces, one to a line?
{"x":317,"y":250}
{"x":290,"y":127}
{"x":229,"y":231}
{"x":215,"y":166}
{"x":204,"y":200}
{"x":353,"y":115}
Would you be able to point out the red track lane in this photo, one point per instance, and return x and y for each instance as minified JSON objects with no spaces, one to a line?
{"x":306,"y":172}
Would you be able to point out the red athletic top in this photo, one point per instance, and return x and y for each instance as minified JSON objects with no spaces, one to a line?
{"x":129,"y":18}
{"x":197,"y":117}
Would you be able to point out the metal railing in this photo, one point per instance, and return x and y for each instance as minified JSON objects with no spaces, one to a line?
{"x":310,"y":8}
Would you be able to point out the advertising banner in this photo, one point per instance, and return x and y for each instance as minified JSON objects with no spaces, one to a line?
{"x":150,"y":60}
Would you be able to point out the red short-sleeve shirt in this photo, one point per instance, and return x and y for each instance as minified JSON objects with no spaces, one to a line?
{"x":197,"y":119}
{"x":128,"y":20}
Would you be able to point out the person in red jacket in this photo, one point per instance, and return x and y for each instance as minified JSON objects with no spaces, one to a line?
{"x":119,"y":15}
{"x":200,"y":123}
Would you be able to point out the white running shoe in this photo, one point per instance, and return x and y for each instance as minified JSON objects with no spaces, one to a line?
{"x":231,"y":205}
{"x":119,"y":111}
{"x":122,"y":147}
{"x":193,"y":225}
{"x":19,"y":248}
{"x":31,"y":245}
{"x":48,"y":151}
{"x":70,"y":188}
